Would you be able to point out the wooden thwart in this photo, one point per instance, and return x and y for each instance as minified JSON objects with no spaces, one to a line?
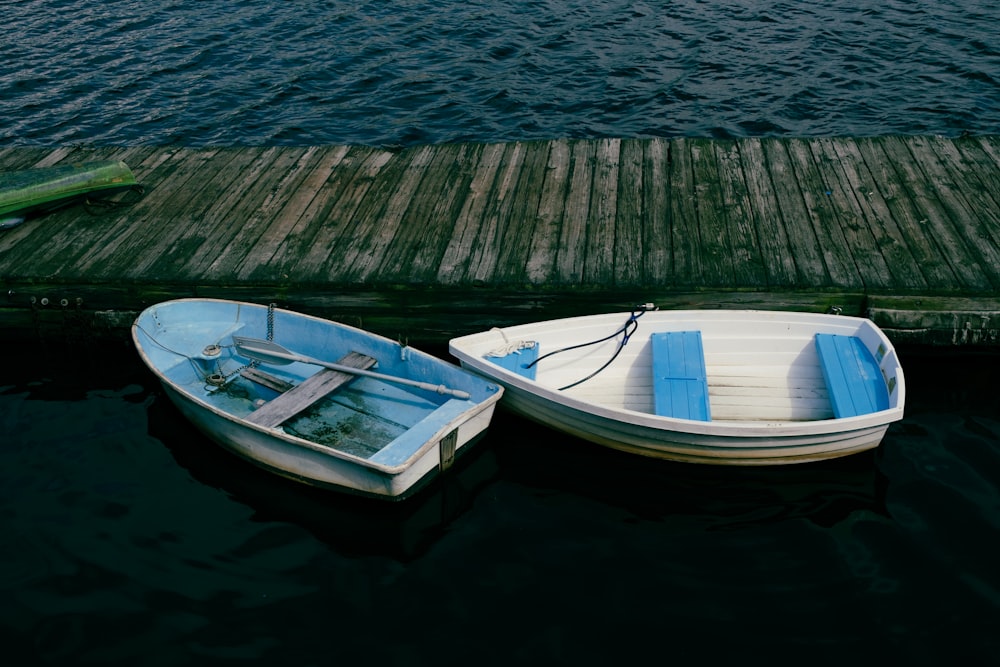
{"x":267,"y":380}
{"x":680,"y":382}
{"x":852,"y":376}
{"x":314,"y":388}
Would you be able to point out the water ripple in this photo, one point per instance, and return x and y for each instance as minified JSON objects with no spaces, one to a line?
{"x":414,"y":71}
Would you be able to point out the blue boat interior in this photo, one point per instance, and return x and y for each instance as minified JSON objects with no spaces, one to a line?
{"x":680,"y":384}
{"x":371,"y":418}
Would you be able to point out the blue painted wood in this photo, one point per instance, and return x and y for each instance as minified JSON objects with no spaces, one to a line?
{"x":518,"y":361}
{"x":402,"y":448}
{"x":680,"y":383}
{"x":852,"y":376}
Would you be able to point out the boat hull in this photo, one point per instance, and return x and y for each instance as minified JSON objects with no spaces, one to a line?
{"x":317,"y":447}
{"x":766,"y":421}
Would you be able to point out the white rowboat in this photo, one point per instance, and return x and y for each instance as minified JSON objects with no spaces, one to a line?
{"x":338,"y":407}
{"x":720,"y":386}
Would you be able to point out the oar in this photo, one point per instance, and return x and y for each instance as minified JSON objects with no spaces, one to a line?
{"x":272,"y":353}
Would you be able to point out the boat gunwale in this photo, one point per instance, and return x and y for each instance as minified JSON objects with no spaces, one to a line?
{"x":475,"y":409}
{"x":465,"y":347}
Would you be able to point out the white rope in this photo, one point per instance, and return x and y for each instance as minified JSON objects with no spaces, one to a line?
{"x":509,"y":347}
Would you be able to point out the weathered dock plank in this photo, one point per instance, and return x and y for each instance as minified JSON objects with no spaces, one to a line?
{"x":759,"y":207}
{"x":434,"y":241}
{"x":885,"y":263}
{"x":307,"y":258}
{"x":817,"y":191}
{"x":421,"y":244}
{"x":573,"y":233}
{"x":933,"y":216}
{"x":298,"y":202}
{"x":655,"y":222}
{"x":466,"y":229}
{"x":544,"y":248}
{"x":903,"y":218}
{"x":517,"y":233}
{"x":744,"y":243}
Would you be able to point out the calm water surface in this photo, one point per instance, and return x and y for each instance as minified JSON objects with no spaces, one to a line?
{"x":129,"y":539}
{"x":303,"y":72}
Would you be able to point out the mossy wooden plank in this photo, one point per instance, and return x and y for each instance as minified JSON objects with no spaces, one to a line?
{"x":760,"y":205}
{"x":380,"y":222}
{"x":180,"y":216}
{"x":657,"y":262}
{"x":990,"y":145}
{"x":975,"y":186}
{"x":496,"y":216}
{"x":976,"y":166}
{"x":127,"y":234}
{"x":743,"y":241}
{"x":629,"y":245}
{"x":821,"y":211}
{"x":881,"y":254}
{"x":572,"y":254}
{"x":267,"y":200}
{"x":247,"y":205}
{"x":906,"y":216}
{"x":292,"y":217}
{"x":466,"y":232}
{"x":148,"y":221}
{"x":520,"y":230}
{"x":602,"y":220}
{"x":717,"y":264}
{"x":685,"y":234}
{"x":317,"y":224}
{"x":208,"y":177}
{"x":71,"y":230}
{"x":931,"y":216}
{"x":788,"y":206}
{"x":308,"y":257}
{"x":872,"y":208}
{"x":413,"y":256}
{"x":540,"y":267}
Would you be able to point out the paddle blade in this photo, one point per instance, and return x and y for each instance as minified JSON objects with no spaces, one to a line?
{"x":263,"y":350}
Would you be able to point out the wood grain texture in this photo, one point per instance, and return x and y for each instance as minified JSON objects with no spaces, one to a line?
{"x":495,"y":224}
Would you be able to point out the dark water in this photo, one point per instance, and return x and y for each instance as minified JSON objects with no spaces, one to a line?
{"x":302,"y":72}
{"x":128,"y":539}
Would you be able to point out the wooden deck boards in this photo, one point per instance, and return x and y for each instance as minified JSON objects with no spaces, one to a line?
{"x":521,"y":227}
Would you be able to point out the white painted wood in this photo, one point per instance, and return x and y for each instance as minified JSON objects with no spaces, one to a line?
{"x":337,"y":441}
{"x":768,"y":398}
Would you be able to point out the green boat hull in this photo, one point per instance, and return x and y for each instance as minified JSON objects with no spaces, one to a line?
{"x":39,"y":190}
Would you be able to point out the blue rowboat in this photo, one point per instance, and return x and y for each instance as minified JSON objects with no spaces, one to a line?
{"x":40,"y":190}
{"x":312,"y":400}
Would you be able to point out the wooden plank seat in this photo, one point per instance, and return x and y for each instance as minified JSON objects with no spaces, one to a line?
{"x":852,"y":375}
{"x":305,"y":394}
{"x":266,"y":380}
{"x":680,"y":382}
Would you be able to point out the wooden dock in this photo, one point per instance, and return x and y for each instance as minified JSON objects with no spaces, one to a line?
{"x":435,"y":241}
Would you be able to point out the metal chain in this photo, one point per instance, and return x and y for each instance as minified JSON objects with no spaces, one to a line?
{"x":220,"y":379}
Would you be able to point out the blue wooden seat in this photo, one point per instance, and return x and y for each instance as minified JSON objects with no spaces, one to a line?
{"x":852,"y":376}
{"x":518,"y":361}
{"x":680,"y":383}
